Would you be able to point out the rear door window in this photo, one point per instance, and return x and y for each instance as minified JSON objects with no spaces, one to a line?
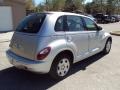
{"x":74,"y":23}
{"x":31,"y":24}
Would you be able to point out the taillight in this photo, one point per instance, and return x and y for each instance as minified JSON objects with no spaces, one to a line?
{"x":43,"y":53}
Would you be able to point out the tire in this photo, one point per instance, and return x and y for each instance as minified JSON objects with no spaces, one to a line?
{"x":107,"y":47}
{"x":61,"y":67}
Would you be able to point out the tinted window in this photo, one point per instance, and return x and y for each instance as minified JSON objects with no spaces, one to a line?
{"x":90,"y":25}
{"x":59,"y":24}
{"x":31,"y":24}
{"x":74,"y":23}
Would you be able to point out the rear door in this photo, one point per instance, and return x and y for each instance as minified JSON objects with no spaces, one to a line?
{"x":25,"y":39}
{"x":77,"y":36}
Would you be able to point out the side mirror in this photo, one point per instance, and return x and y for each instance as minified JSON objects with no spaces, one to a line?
{"x":99,"y":28}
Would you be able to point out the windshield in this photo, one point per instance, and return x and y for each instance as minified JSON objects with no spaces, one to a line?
{"x":31,"y":23}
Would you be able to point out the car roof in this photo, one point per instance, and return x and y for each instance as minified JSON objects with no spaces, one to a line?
{"x":60,"y":13}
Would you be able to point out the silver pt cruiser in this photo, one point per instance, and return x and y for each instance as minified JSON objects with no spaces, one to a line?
{"x":51,"y":42}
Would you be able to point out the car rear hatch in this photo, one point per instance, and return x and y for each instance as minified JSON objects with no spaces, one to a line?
{"x":25,"y":39}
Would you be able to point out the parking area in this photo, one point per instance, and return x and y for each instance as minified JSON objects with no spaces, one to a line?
{"x":99,"y":72}
{"x":111,"y":26}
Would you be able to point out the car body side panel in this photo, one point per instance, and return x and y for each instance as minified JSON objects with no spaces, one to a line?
{"x":79,"y":42}
{"x":95,"y":38}
{"x":57,"y":44}
{"x":104,"y":39}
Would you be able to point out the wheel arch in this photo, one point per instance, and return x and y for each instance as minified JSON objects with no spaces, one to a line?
{"x":66,"y":52}
{"x":109,"y":38}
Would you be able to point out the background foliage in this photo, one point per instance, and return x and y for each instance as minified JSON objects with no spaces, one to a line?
{"x":96,"y":6}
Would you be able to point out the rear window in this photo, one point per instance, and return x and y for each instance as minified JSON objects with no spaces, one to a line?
{"x":31,"y":23}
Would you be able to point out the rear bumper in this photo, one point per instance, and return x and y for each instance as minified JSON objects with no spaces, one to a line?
{"x":27,"y":64}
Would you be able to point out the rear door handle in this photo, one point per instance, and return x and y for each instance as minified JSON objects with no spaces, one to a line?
{"x":69,"y":39}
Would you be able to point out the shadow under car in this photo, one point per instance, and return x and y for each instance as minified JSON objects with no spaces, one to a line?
{"x":15,"y":79}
